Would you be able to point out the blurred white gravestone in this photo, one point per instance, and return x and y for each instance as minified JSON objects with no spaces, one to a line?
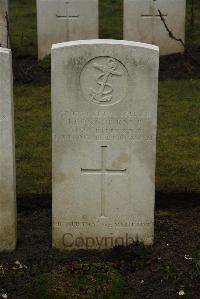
{"x":4,"y":39}
{"x":142,"y":23}
{"x":104,"y":103}
{"x":61,"y":20}
{"x":7,"y":155}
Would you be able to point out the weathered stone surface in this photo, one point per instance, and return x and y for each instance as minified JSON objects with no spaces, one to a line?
{"x":4,"y":40}
{"x":7,"y":155}
{"x":142,"y":23}
{"x":104,"y":109}
{"x":59,"y":21}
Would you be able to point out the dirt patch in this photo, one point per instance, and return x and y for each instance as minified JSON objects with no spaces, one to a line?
{"x":168,"y":269}
{"x":180,"y":66}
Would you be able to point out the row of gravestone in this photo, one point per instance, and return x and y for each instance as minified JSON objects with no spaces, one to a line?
{"x":61,"y":20}
{"x":104,"y":121}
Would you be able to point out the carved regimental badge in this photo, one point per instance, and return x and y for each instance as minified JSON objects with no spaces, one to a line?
{"x":104,"y":81}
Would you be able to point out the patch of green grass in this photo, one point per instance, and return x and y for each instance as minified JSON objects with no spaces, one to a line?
{"x":23,"y":28}
{"x":178,"y":166}
{"x":80,"y":280}
{"x":33,"y":139}
{"x":111,"y":19}
{"x":178,"y":108}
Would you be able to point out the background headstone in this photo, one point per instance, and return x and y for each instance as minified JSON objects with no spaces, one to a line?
{"x":61,"y":20}
{"x":104,"y":103}
{"x":4,"y":40}
{"x":7,"y":155}
{"x":142,"y":23}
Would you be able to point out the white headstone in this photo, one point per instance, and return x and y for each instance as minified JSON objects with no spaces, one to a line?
{"x":4,"y":40}
{"x":104,"y":103}
{"x":60,"y":21}
{"x":7,"y":155}
{"x":142,"y":23}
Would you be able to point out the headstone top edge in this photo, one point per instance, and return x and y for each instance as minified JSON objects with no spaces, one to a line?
{"x":5,"y":50}
{"x":105,"y":42}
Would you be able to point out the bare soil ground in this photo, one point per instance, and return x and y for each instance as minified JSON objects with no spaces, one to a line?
{"x":166,"y":270}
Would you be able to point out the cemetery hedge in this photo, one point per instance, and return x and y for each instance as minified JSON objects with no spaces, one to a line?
{"x":172,"y":265}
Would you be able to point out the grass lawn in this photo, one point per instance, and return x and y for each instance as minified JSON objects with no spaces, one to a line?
{"x":178,"y":114}
{"x":178,"y":163}
{"x":170,"y":268}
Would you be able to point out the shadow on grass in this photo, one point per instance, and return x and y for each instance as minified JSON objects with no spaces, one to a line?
{"x":163,"y":200}
{"x":177,"y":200}
{"x":34,"y":202}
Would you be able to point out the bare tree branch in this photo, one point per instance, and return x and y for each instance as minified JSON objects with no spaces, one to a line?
{"x":171,"y":35}
{"x":8,"y":30}
{"x":192,"y":14}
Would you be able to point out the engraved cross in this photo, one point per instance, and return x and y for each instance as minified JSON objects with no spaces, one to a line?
{"x":67,"y":17}
{"x":153,"y":15}
{"x":103,"y":171}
